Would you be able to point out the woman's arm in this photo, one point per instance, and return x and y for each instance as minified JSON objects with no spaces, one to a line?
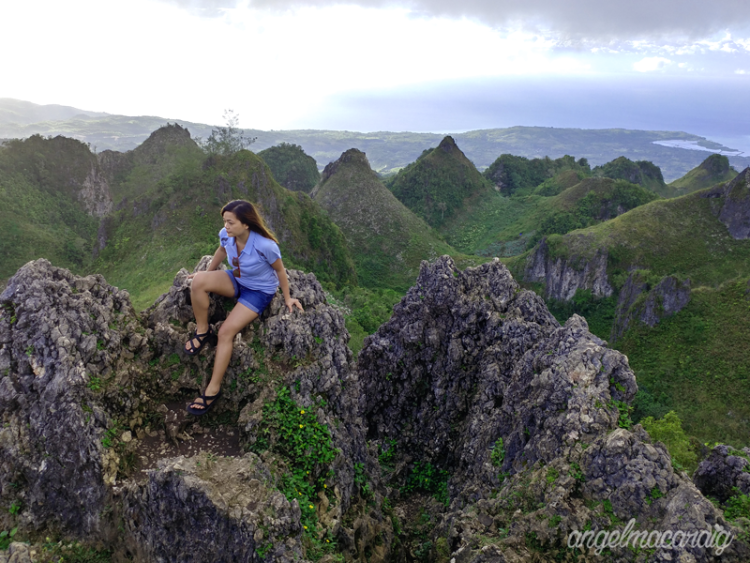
{"x":284,"y":283}
{"x":219,"y":256}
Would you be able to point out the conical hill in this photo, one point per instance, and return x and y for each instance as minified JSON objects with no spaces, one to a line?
{"x":387,"y":239}
{"x":440,"y":183}
{"x":714,"y":170}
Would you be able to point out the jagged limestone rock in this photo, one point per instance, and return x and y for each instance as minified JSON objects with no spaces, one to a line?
{"x":724,"y":473}
{"x":61,"y":337}
{"x":224,"y":509}
{"x":18,"y":553}
{"x":562,"y":277}
{"x":469,"y":359}
{"x":733,"y":207}
{"x":637,"y":302}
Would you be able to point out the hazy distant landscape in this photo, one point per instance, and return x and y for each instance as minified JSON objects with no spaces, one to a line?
{"x":387,"y":151}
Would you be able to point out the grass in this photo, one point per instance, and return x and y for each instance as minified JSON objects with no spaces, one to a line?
{"x":699,"y":360}
{"x":181,"y":225}
{"x":389,"y":240}
{"x":494,"y":225}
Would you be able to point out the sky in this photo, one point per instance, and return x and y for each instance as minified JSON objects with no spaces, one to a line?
{"x":402,"y":65}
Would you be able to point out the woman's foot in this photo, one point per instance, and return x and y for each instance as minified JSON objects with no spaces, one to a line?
{"x":196,"y":343}
{"x":203,"y":404}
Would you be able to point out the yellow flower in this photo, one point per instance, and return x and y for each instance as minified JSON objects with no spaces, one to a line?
{"x":311,"y":506}
{"x":305,"y":527}
{"x":301,"y":425}
{"x":328,"y":541}
{"x":325,"y":486}
{"x":302,"y":412}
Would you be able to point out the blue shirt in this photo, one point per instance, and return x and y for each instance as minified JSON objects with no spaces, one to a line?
{"x":255,"y":261}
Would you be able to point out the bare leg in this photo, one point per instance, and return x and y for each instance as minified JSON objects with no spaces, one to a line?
{"x":238,"y":319}
{"x":216,"y":281}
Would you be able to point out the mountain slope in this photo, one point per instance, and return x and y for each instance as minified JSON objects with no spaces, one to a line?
{"x":292,"y":167}
{"x":504,"y":226}
{"x":387,"y":239}
{"x":52,"y":194}
{"x":176,"y":221}
{"x":691,"y":357}
{"x":439,"y":184}
{"x":714,"y":170}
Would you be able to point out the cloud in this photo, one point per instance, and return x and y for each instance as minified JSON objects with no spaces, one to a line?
{"x":651,"y":64}
{"x":572,"y":19}
{"x":741,"y":71}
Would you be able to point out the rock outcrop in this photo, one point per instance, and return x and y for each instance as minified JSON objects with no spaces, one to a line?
{"x":638,"y":302}
{"x":724,"y":473}
{"x":472,"y":393}
{"x":732,"y":205}
{"x":563,"y":276}
{"x":525,"y":419}
{"x":83,"y":389}
{"x":61,"y":338}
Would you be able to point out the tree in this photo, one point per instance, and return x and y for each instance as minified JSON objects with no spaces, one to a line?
{"x":229,"y":139}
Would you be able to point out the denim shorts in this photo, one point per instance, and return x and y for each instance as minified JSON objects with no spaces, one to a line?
{"x":251,"y":298}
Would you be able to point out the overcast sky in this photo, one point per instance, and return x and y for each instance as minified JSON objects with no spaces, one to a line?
{"x":424,"y":65}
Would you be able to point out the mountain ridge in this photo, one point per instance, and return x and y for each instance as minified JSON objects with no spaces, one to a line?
{"x":390,"y":151}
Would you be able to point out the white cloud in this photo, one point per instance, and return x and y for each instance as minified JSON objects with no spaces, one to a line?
{"x":651,"y":64}
{"x":741,"y":71}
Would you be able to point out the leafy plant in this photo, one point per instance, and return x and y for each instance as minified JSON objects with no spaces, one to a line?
{"x":6,"y":537}
{"x":669,"y":431}
{"x":427,"y":478}
{"x":498,"y":453}
{"x":293,"y":432}
{"x":228,"y":139}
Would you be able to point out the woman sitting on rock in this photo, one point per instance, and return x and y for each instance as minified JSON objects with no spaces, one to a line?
{"x":257,"y":272}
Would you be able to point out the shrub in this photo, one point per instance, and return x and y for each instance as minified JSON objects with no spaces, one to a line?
{"x":669,"y":431}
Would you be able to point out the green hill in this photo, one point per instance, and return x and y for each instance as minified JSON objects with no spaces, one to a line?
{"x":291,"y":167}
{"x":52,"y":193}
{"x":133,"y":173}
{"x":714,"y":170}
{"x":511,"y":174}
{"x":505,"y":226}
{"x":176,"y":221}
{"x":388,"y":240}
{"x":694,"y":361}
{"x":641,"y":172}
{"x":440,"y":183}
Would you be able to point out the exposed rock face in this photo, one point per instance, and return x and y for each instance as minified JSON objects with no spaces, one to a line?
{"x":60,"y":336}
{"x":562,"y":277}
{"x":224,"y":509}
{"x":95,"y":194}
{"x":734,"y":210}
{"x":724,"y":473}
{"x":465,"y":360}
{"x":639,"y":303}
{"x":468,"y":360}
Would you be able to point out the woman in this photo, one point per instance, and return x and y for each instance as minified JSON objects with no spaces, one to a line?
{"x":253,"y":252}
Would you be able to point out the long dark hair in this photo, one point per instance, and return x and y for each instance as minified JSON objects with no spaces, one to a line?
{"x":247,"y":214}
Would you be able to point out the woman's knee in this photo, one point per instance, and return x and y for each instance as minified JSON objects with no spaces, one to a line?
{"x":227,"y":332}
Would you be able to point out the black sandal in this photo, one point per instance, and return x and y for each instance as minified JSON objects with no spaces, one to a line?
{"x":205,"y":404}
{"x":203,"y":338}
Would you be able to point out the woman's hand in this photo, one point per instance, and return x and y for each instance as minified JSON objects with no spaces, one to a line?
{"x":291,"y":301}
